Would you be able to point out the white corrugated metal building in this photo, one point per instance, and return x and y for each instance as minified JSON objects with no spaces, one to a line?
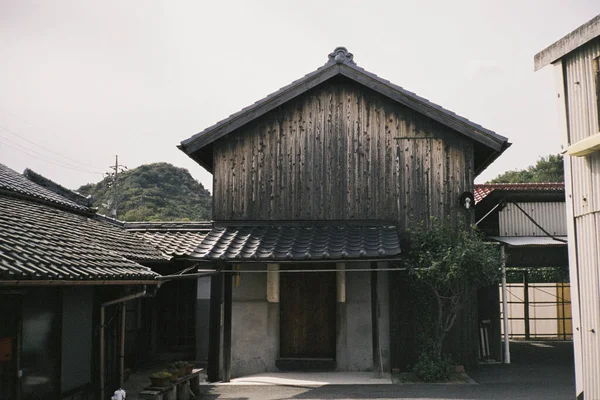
{"x":576,"y":60}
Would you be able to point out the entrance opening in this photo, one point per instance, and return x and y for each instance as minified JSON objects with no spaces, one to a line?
{"x":307,"y":320}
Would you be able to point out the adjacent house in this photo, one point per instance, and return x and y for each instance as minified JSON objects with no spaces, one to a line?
{"x":529,"y":221}
{"x":576,"y":61}
{"x":314,"y":188}
{"x":66,"y":275}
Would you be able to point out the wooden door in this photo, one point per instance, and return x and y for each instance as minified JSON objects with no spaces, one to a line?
{"x":307,"y":325}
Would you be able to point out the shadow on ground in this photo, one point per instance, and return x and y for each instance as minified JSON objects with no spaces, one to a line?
{"x":540,"y":370}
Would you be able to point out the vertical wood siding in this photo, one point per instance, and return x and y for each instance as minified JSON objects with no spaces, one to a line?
{"x":341,"y":152}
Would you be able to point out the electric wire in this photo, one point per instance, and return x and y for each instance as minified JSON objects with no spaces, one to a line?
{"x":41,"y":157}
{"x":36,"y":144}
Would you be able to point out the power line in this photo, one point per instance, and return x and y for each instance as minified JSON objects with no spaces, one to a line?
{"x":41,"y":157}
{"x":43,"y":147}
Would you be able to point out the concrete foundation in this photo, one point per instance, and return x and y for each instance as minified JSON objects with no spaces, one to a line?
{"x":255,"y":326}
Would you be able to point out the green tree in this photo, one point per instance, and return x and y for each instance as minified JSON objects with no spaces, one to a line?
{"x":452,"y":263}
{"x":153,"y":192}
{"x":547,"y":169}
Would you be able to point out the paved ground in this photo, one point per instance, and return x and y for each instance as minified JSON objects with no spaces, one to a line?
{"x":539,"y":371}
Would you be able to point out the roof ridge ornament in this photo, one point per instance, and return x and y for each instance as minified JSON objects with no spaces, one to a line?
{"x":341,"y":55}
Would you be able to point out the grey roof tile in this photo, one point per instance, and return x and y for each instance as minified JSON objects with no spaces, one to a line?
{"x":13,"y":181}
{"x":39,"y":242}
{"x":299,"y":243}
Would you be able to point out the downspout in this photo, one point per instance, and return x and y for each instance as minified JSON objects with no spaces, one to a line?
{"x":122,"y":347}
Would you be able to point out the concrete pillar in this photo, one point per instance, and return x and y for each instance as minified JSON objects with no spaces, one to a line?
{"x":202,"y":318}
{"x":273,"y":307}
{"x":341,"y":320}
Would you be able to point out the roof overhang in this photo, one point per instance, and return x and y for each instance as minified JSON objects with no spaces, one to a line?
{"x":530,"y":241}
{"x":300,"y":242}
{"x":580,"y":36}
{"x":493,"y":143}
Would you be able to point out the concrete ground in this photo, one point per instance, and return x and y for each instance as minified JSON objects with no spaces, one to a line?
{"x":540,"y":370}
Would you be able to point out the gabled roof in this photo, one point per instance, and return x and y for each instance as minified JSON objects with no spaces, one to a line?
{"x":580,"y":36}
{"x":483,"y":190}
{"x":45,"y":236}
{"x":19,"y":185}
{"x":265,"y":242}
{"x":341,"y":63}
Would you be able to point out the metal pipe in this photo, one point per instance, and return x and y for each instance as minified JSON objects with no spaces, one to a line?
{"x":505,"y":306}
{"x":122,"y":349}
{"x":259,"y":271}
{"x":102,"y":327}
{"x":489,"y":212}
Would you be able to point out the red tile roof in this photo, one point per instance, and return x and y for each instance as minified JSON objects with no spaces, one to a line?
{"x":483,"y":190}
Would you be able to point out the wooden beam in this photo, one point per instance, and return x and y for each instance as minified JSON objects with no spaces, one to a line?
{"x":227,"y":313}
{"x":214,"y":329}
{"x":375,"y":318}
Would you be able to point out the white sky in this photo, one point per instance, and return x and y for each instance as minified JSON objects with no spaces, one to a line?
{"x":91,"y":79}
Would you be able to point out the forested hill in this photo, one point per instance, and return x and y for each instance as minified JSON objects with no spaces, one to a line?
{"x":153,"y":192}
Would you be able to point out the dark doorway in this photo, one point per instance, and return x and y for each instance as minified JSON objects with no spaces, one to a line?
{"x":10,"y":310}
{"x":307,"y":315}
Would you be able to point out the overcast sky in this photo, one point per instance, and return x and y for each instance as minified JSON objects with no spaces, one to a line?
{"x":82,"y":81}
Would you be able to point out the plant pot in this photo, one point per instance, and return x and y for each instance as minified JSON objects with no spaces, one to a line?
{"x":175,"y":375}
{"x":160,"y":381}
{"x":189,"y":368}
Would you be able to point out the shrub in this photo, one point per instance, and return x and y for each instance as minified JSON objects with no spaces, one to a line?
{"x":432,"y":368}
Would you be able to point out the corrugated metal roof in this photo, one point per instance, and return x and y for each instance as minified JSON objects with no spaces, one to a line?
{"x":299,"y":243}
{"x":529,"y":241}
{"x":38,"y":241}
{"x":481,"y":191}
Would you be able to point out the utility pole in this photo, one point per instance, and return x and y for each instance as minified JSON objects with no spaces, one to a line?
{"x":115,"y":181}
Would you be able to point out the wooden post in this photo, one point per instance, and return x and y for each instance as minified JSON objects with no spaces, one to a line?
{"x":375,"y":319}
{"x":227,"y":312}
{"x":526,"y":301}
{"x":214,"y":329}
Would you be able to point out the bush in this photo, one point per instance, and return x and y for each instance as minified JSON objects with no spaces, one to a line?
{"x":432,"y":368}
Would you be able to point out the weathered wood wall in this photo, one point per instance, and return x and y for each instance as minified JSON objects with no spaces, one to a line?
{"x":339,"y":152}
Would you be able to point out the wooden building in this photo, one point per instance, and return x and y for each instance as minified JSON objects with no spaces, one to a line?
{"x":66,"y":277}
{"x":315,"y":186}
{"x":576,"y":61}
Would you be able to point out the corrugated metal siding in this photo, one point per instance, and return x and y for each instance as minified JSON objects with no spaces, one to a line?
{"x":583,"y":122}
{"x":594,"y":163}
{"x":588,"y":259}
{"x":551,"y":216}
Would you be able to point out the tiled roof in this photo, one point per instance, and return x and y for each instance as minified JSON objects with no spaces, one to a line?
{"x":483,"y":190}
{"x":173,"y":238}
{"x":38,"y":241}
{"x":13,"y":181}
{"x":299,"y":243}
{"x":341,"y":62}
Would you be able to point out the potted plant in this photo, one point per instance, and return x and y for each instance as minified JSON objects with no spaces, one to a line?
{"x":160,"y":378}
{"x":180,"y":365}
{"x":189,"y":368}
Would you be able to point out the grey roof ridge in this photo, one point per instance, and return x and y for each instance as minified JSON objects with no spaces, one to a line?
{"x":332,"y":68}
{"x":19,"y":194}
{"x":580,"y":36}
{"x":85,"y":201}
{"x":167,"y":226}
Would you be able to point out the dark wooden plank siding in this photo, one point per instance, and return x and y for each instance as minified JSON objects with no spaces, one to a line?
{"x":338,"y":152}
